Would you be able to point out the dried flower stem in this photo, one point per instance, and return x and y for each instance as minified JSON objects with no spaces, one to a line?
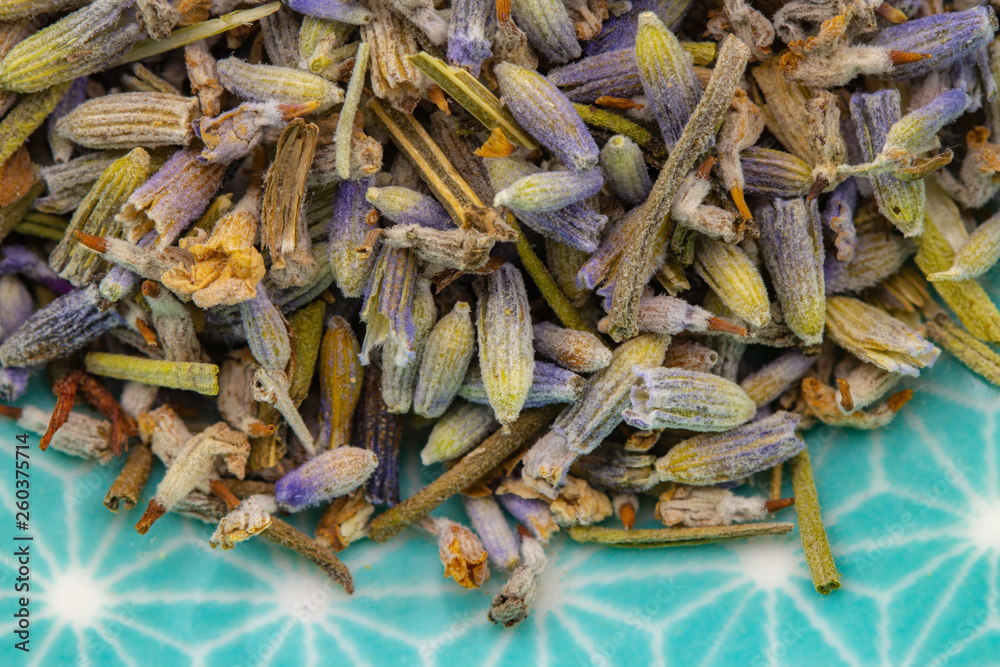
{"x":451,"y":189}
{"x":284,"y":534}
{"x":345,"y":122}
{"x":127,"y":487}
{"x":202,"y":378}
{"x":540,"y":275}
{"x":473,"y":467}
{"x":473,"y":96}
{"x":668,"y":537}
{"x":657,"y":227}
{"x":191,"y":34}
{"x":775,"y":490}
{"x":815,"y":543}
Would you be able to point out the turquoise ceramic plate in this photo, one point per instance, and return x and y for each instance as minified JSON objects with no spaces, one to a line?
{"x":913,"y":513}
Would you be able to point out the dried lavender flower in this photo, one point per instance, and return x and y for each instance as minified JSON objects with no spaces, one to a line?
{"x":549,"y":384}
{"x":708,"y":506}
{"x":445,"y":362}
{"x":731,"y":275}
{"x":333,"y":473}
{"x":399,"y":382}
{"x":556,"y":124}
{"x":872,"y":335}
{"x":268,"y":83}
{"x":253,"y":516}
{"x":623,"y":164}
{"x":128,"y":120}
{"x":547,"y":25}
{"x":491,"y":526}
{"x":340,"y":375}
{"x":510,"y":606}
{"x":461,"y":552}
{"x":550,"y":191}
{"x":578,"y":351}
{"x":977,"y":255}
{"x":506,"y":357}
{"x":409,"y":207}
{"x":714,"y":458}
{"x":792,"y":245}
{"x":667,"y":75}
{"x":772,"y":379}
{"x":234,"y":134}
{"x":86,"y":41}
{"x":679,"y":398}
{"x":348,"y":228}
{"x":388,"y":305}
{"x":342,"y":11}
{"x":468,"y":44}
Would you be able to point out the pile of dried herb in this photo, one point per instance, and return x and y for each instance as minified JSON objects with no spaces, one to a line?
{"x":607,"y":252}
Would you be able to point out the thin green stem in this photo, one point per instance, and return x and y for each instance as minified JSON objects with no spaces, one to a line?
{"x":815,"y":543}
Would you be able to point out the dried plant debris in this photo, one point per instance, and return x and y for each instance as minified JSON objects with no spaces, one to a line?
{"x":327,"y":227}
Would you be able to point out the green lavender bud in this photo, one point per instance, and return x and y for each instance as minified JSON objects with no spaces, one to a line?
{"x":550,"y":190}
{"x":445,"y":362}
{"x":726,"y":457}
{"x":263,"y":83}
{"x":731,"y":275}
{"x":96,"y":216}
{"x":506,"y":357}
{"x":679,"y":398}
{"x":792,"y":244}
{"x":667,"y":76}
{"x":69,"y":183}
{"x":976,"y":355}
{"x":977,"y":255}
{"x":29,"y":114}
{"x":578,"y":351}
{"x":625,"y":168}
{"x":11,"y":10}
{"x":463,"y":427}
{"x":399,"y":382}
{"x":549,"y":384}
{"x":873,"y":335}
{"x":131,"y":119}
{"x":86,"y":41}
{"x":548,"y":28}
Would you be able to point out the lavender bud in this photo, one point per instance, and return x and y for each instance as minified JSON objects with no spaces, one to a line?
{"x":549,"y":384}
{"x":65,"y":325}
{"x":872,"y":335}
{"x":792,"y":244}
{"x":266,"y":331}
{"x":714,"y":458}
{"x":771,"y":173}
{"x":623,"y":163}
{"x":876,"y":257}
{"x":708,"y":506}
{"x":333,"y":473}
{"x":468,"y":45}
{"x":463,"y":427}
{"x":732,"y":276}
{"x":532,"y":513}
{"x":409,"y":207}
{"x":267,"y":83}
{"x":771,"y":380}
{"x":839,"y":218}
{"x":555,"y":123}
{"x":342,"y":11}
{"x":510,"y":606}
{"x":128,"y":120}
{"x":388,"y":305}
{"x":400,"y":382}
{"x":578,"y":351}
{"x":445,"y":362}
{"x":678,"y":398}
{"x":506,"y":357}
{"x":347,"y":231}
{"x":461,"y":552}
{"x":548,"y":28}
{"x":550,"y":191}
{"x":340,"y":375}
{"x":667,"y":76}
{"x":491,"y":525}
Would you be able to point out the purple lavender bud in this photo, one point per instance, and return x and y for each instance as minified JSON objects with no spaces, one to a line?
{"x":494,"y":532}
{"x":576,"y":225}
{"x":550,"y":190}
{"x":792,"y":245}
{"x":14,"y":382}
{"x":16,"y":306}
{"x":409,"y":207}
{"x":547,"y":26}
{"x":667,"y":75}
{"x":533,"y":514}
{"x":18,"y":259}
{"x":333,"y":473}
{"x":549,"y":384}
{"x":381,"y":432}
{"x":388,"y":308}
{"x":838,"y":217}
{"x":544,"y":111}
{"x":173,"y":198}
{"x":619,"y":32}
{"x":347,"y":230}
{"x":679,"y":398}
{"x":341,"y":11}
{"x":468,"y":45}
{"x":714,"y":458}
{"x":64,"y":326}
{"x":615,"y":73}
{"x":266,"y":331}
{"x":944,"y":37}
{"x":771,"y":173}
{"x":901,"y":202}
